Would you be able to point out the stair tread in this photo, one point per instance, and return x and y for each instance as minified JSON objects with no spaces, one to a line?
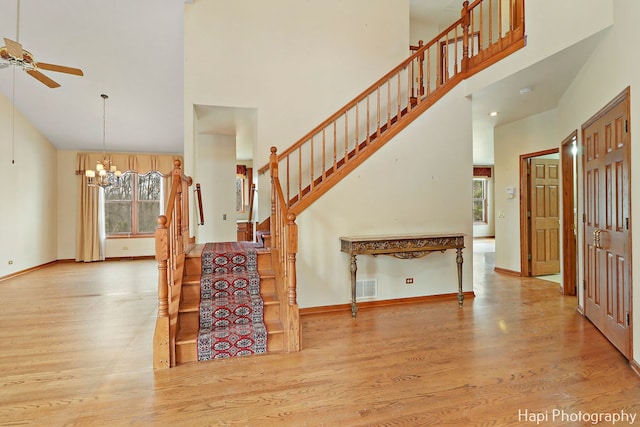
{"x":188,"y":333}
{"x":191,"y":303}
{"x":196,"y":250}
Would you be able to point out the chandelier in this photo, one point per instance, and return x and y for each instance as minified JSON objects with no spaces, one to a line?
{"x":106,"y":173}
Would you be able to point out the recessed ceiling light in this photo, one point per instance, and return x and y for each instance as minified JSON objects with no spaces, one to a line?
{"x":494,"y":113}
{"x":525,"y":91}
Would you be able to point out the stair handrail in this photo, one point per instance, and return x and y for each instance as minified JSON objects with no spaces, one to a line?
{"x":284,"y":247}
{"x":481,"y":37}
{"x":172,"y":241}
{"x":198,"y":193}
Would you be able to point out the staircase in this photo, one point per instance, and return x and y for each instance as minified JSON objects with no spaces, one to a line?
{"x":188,"y":313}
{"x":487,"y":31}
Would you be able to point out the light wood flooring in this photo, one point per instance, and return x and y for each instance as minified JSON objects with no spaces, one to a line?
{"x":75,"y":349}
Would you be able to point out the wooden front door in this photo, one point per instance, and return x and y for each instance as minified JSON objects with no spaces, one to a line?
{"x":545,"y":216}
{"x":607,"y":234}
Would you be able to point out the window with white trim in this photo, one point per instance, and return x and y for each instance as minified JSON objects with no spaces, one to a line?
{"x":480,"y":200}
{"x":132,"y":207}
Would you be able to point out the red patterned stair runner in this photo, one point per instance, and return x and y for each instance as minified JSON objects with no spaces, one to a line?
{"x":231,"y":308}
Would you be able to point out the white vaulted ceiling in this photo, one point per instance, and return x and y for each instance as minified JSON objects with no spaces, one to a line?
{"x":130,"y":50}
{"x":133,"y":51}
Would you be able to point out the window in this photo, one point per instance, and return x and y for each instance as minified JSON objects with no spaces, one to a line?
{"x":479,"y":200}
{"x":132,"y":208}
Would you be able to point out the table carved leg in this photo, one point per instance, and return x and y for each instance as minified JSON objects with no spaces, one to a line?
{"x":354,"y":268}
{"x":459,"y":262}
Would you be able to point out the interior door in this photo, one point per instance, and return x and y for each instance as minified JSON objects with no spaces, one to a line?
{"x":545,"y":216}
{"x":607,"y":232}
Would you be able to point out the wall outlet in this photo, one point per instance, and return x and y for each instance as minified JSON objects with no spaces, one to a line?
{"x":409,"y":280}
{"x":10,"y":262}
{"x":224,"y":217}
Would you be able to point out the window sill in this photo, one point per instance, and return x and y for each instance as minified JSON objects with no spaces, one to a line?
{"x":130,"y":236}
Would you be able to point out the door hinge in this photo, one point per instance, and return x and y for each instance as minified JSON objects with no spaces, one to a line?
{"x":584,"y":285}
{"x":528,"y":214}
{"x":628,"y":322}
{"x":529,"y":257}
{"x":626,"y":126}
{"x":626,"y":223}
{"x":584,"y":218}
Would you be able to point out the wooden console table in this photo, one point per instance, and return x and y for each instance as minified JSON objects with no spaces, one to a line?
{"x":404,"y":247}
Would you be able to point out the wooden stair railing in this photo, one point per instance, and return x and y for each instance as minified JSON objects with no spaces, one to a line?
{"x":487,"y":31}
{"x":172,"y":243}
{"x":284,"y":247}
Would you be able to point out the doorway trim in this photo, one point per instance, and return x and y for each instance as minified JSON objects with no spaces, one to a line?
{"x":569,"y":226}
{"x":525,"y":267}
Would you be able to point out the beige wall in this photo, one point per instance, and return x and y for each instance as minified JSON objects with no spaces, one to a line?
{"x":216,"y":171}
{"x":530,"y":135}
{"x":295,"y":62}
{"x":28,"y":212}
{"x":610,"y":69}
{"x":409,"y":186}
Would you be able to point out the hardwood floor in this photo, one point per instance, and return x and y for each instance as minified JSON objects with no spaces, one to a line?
{"x":75,"y":349}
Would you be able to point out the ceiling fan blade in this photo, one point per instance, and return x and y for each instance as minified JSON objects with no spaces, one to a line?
{"x":59,"y":68}
{"x":13,"y":48}
{"x":44,"y":79}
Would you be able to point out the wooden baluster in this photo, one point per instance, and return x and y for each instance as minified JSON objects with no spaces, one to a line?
{"x":490,"y":22}
{"x":388,"y":103}
{"x":412,"y":80}
{"x":178,"y":222}
{"x":410,"y":84}
{"x":399,"y":109}
{"x":420,"y":70}
{"x":473,"y":32}
{"x":324,"y":154}
{"x":346,"y":137}
{"x":428,"y":73}
{"x":335,"y":147}
{"x":287,"y":176}
{"x":311,"y":168}
{"x":273,"y":166}
{"x":499,"y":19}
{"x":357,"y":128}
{"x":300,"y":173}
{"x":378,"y":112}
{"x":455,"y":51}
{"x":184,"y":232}
{"x":465,"y":36}
{"x":481,"y":28}
{"x":368,"y":122}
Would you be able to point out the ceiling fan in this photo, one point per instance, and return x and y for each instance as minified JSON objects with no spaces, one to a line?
{"x":13,"y":54}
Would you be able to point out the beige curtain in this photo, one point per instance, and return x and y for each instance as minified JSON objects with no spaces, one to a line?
{"x":90,"y":228}
{"x":88,"y":242}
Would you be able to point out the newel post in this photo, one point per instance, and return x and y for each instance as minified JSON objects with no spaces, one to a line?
{"x":293,"y":331}
{"x":466,"y":20}
{"x":161,"y":353}
{"x":292,"y":250}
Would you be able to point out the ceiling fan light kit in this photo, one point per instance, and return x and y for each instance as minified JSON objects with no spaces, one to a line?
{"x":13,"y":54}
